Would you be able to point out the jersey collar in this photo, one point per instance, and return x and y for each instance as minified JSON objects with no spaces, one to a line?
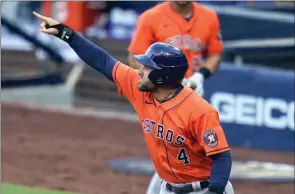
{"x":177,"y":99}
{"x":186,"y":25}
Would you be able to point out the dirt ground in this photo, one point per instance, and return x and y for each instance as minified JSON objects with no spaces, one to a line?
{"x":66,"y":152}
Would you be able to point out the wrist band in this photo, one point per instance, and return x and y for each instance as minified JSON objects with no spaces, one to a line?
{"x":205,"y":72}
{"x":64,"y":32}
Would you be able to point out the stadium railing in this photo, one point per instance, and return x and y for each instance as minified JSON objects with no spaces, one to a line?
{"x":52,"y":76}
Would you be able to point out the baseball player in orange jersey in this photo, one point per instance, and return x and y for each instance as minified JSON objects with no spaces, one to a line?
{"x":182,"y":131}
{"x":187,"y":25}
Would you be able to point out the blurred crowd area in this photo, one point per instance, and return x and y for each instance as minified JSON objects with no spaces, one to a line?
{"x":22,"y":9}
{"x":116,"y":19}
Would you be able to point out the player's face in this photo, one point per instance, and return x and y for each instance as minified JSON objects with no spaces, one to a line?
{"x":144,"y":83}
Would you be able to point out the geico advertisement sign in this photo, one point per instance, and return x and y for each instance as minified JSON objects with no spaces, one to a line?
{"x":254,"y":111}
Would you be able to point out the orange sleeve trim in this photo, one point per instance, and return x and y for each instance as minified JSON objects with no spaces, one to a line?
{"x":217,"y":151}
{"x":115,"y":71}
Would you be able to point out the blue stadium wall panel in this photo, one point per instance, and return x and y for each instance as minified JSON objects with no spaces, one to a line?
{"x":256,"y":106}
{"x":238,"y":27}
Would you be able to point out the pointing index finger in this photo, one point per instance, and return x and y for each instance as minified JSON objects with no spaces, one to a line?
{"x":40,"y":16}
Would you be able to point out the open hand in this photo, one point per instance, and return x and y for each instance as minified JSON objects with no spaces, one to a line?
{"x":45,"y":22}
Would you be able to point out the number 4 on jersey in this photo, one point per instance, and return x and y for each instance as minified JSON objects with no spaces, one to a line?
{"x":182,"y":156}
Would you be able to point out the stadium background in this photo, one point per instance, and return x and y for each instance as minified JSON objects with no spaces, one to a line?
{"x":65,"y":128}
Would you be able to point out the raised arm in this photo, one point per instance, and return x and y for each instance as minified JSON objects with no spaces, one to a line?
{"x":124,"y":77}
{"x":90,"y":53}
{"x":93,"y":55}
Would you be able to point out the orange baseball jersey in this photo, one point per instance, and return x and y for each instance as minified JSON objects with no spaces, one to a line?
{"x":179,"y":133}
{"x":199,"y":35}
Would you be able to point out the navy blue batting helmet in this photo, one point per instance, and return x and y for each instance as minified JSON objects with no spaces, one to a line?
{"x":168,"y":62}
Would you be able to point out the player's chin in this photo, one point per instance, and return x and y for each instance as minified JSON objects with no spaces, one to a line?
{"x":144,"y":88}
{"x":182,"y":3}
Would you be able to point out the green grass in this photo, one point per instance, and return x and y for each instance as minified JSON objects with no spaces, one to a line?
{"x":7,"y":188}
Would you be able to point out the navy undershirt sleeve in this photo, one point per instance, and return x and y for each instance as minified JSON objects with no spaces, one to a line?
{"x":93,"y":55}
{"x":220,"y":172}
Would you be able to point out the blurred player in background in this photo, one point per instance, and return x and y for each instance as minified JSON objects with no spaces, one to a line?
{"x":189,"y":26}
